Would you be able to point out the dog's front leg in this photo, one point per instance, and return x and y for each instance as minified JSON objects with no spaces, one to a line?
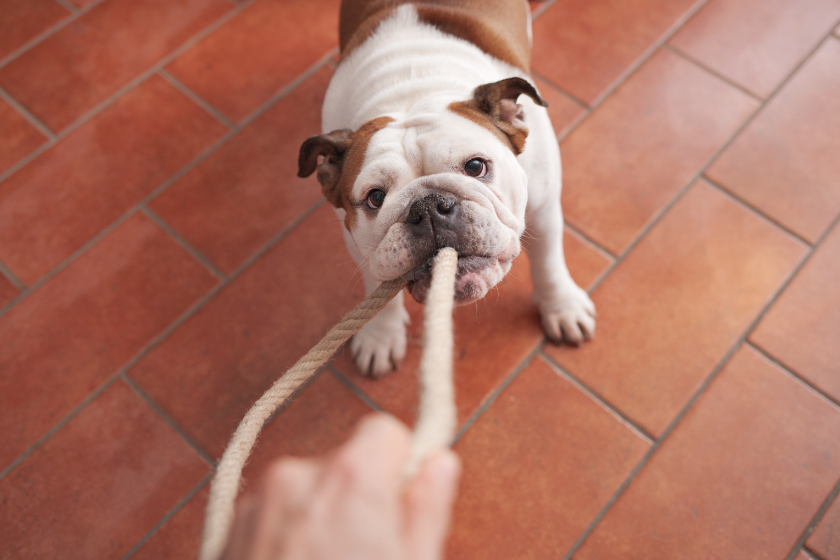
{"x":567,"y":312}
{"x":379,"y":347}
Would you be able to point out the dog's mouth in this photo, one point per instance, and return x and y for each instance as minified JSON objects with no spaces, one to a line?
{"x":476,"y":275}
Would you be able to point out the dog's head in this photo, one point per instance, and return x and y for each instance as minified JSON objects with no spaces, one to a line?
{"x":446,"y":175}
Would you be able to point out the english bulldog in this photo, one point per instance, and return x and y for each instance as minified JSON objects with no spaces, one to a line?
{"x":436,"y":136}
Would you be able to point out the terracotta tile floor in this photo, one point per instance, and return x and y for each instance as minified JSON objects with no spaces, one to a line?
{"x":160,"y":264}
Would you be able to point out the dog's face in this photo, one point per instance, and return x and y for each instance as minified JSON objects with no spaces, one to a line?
{"x":444,"y":176}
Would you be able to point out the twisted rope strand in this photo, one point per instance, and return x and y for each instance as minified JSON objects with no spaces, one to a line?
{"x":437,"y":418}
{"x":225,"y":485}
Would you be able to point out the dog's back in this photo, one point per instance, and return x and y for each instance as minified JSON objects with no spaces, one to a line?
{"x":498,"y":27}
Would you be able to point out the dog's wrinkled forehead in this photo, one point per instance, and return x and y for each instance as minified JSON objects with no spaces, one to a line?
{"x":437,"y":137}
{"x":422,"y":145}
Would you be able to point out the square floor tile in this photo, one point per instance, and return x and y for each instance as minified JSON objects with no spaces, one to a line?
{"x":242,"y":64}
{"x":69,"y":336}
{"x":632,"y":155}
{"x":236,"y":200}
{"x":584,"y":46}
{"x":99,"y":484}
{"x":756,"y":43}
{"x":562,"y":110}
{"x":68,"y":194}
{"x":23,"y":20}
{"x":785,"y":162}
{"x":538,"y":466}
{"x":317,"y":421}
{"x":17,"y":136}
{"x":741,"y":476}
{"x":825,"y":540}
{"x":671,"y":310}
{"x":209,"y":372}
{"x":84,"y":63}
{"x":180,"y":537}
{"x":802,"y":329}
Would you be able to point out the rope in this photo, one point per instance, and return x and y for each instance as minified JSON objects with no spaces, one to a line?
{"x":436,"y":421}
{"x":435,"y":425}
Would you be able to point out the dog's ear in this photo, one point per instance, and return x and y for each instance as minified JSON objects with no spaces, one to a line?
{"x":333,"y":148}
{"x":495,"y":103}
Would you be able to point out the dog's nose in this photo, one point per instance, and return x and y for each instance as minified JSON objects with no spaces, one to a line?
{"x":440,"y":210}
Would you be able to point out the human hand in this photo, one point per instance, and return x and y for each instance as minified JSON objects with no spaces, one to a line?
{"x":352,"y":505}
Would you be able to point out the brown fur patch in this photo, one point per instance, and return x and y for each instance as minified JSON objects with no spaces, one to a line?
{"x":352,"y":165}
{"x":494,"y":107}
{"x":470,"y":110}
{"x":497,"y":27}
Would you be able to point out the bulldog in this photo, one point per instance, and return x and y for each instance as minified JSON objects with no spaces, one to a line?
{"x":436,"y":136}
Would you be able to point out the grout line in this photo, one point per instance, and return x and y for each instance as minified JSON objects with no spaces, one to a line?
{"x":790,"y":371}
{"x":61,"y":423}
{"x":145,"y":75}
{"x":285,"y":90}
{"x":120,"y":372}
{"x":168,"y":516}
{"x":137,"y":207}
{"x":274,"y":240}
{"x":10,"y":276}
{"x":648,"y":53}
{"x":198,"y":255}
{"x":108,"y":101}
{"x":359,"y":393}
{"x":47,"y":33}
{"x":69,"y":6}
{"x":142,"y":394}
{"x":495,"y":394}
{"x":541,"y":9}
{"x":740,"y":341}
{"x":293,"y":396}
{"x":192,"y":310}
{"x":800,"y":543}
{"x":26,"y":159}
{"x":611,"y":408}
{"x":711,"y":71}
{"x":177,"y":84}
{"x":656,"y":217}
{"x":160,"y":189}
{"x":560,"y":90}
{"x":572,"y":126}
{"x":589,"y":241}
{"x":747,"y":206}
{"x":628,"y":71}
{"x":24,"y":112}
{"x":66,"y":262}
{"x":808,"y":553}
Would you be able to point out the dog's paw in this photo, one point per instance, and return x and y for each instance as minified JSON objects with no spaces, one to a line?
{"x":569,"y":317}
{"x":379,"y":347}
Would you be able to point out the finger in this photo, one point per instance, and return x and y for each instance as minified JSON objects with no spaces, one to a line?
{"x":429,"y":504}
{"x":287,"y":488}
{"x":373,"y":458}
{"x":290,"y":482}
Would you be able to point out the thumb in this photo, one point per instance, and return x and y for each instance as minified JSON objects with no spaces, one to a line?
{"x":429,"y":502}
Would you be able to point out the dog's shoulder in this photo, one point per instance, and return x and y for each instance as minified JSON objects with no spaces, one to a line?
{"x":497,"y":27}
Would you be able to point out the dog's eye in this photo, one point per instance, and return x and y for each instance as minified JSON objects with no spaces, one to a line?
{"x":375,"y":198}
{"x":475,"y":168}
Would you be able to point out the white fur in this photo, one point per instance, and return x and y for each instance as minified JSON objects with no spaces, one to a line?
{"x":411,"y":72}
